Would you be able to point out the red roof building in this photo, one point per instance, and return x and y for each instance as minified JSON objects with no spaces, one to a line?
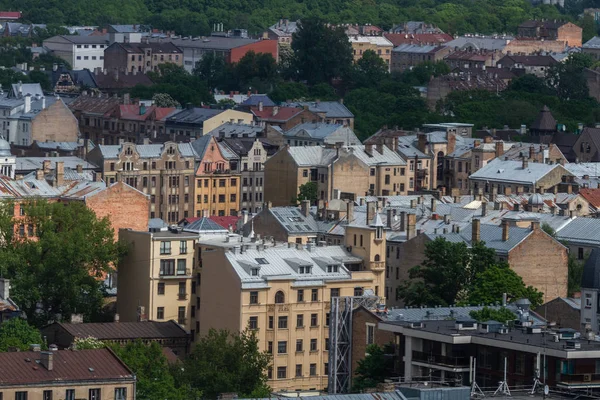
{"x":10,"y":15}
{"x":226,"y":222}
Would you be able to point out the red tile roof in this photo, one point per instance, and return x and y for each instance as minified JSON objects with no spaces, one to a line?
{"x":283,"y":113}
{"x":132,"y":112}
{"x":10,"y":14}
{"x":22,"y":368}
{"x":426,"y":38}
{"x":592,"y":196}
{"x":226,"y":221}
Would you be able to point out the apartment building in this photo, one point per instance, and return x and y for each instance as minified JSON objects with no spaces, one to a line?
{"x":339,"y":173}
{"x":155,"y":277}
{"x":165,"y":172}
{"x":217,"y":180}
{"x":141,"y":57}
{"x":84,"y":374}
{"x":89,"y":111}
{"x":379,"y":44}
{"x":193,"y":122}
{"x":409,"y":55}
{"x":284,"y":293}
{"x":81,"y":52}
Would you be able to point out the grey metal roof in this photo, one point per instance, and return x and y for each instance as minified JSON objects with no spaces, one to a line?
{"x":286,"y":28}
{"x":255,"y":99}
{"x":91,"y":39}
{"x":591,"y":169}
{"x":28,"y":164}
{"x":294,"y":221}
{"x":311,"y":155}
{"x":512,"y":171}
{"x":581,"y":231}
{"x":27,"y":88}
{"x":229,"y":130}
{"x":591,"y":271}
{"x":388,"y":157}
{"x":146,"y":150}
{"x":51,"y":145}
{"x":204,"y":225}
{"x":200,"y":145}
{"x":593,"y":43}
{"x":415,"y":48}
{"x":194,"y":115}
{"x":407,"y":149}
{"x":480,"y":42}
{"x":332,"y":109}
{"x":212,"y":42}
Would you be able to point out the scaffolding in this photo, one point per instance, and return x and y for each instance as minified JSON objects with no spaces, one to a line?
{"x":340,"y":338}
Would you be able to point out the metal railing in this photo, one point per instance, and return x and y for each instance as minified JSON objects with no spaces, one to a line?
{"x":579,"y":379}
{"x":431,"y":358}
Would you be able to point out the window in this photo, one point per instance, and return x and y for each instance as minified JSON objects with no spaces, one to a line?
{"x":120,"y":393}
{"x":313,"y":344}
{"x":370,"y":334}
{"x":314,"y":295}
{"x":95,"y":394}
{"x":70,"y":394}
{"x":358,"y":291}
{"x":47,"y":395}
{"x":580,"y":253}
{"x":271,"y":322}
{"x":279,"y":297}
{"x":326,"y":368}
{"x":335,"y":292}
{"x":161,"y":288}
{"x":300,"y":321}
{"x":300,"y":295}
{"x":20,"y":395}
{"x":327,"y":319}
{"x":165,"y":247}
{"x":253,"y":297}
{"x":181,"y":270}
{"x":313,"y":369}
{"x":299,"y":345}
{"x":181,"y":315}
{"x":282,"y":347}
{"x":167,"y":267}
{"x":160,"y":313}
{"x":314,"y":320}
{"x":298,"y":369}
{"x":281,"y":372}
{"x":253,"y":323}
{"x":282,"y":322}
{"x":270,"y":347}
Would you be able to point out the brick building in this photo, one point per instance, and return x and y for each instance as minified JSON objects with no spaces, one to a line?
{"x":283,"y":117}
{"x":407,"y":56}
{"x":568,"y":32}
{"x":141,"y":57}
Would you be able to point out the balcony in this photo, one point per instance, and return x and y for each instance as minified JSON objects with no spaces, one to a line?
{"x":579,"y":380}
{"x":455,"y":363}
{"x":177,"y":274}
{"x":182,"y":296}
{"x":422,"y":173}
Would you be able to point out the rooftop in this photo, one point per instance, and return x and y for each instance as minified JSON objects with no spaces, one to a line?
{"x":331,"y":109}
{"x":212,"y":42}
{"x":512,"y":171}
{"x":145,"y":150}
{"x":125,"y":330}
{"x":195,"y":115}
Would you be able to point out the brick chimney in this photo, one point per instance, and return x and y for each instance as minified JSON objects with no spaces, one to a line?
{"x":402,"y":221}
{"x":411,"y":226}
{"x":525,"y":162}
{"x":46,"y":164}
{"x":349,"y":211}
{"x":305,"y":207}
{"x":433,"y":205}
{"x":451,"y":143}
{"x":422,"y":143}
{"x":531,"y":152}
{"x":505,"y":231}
{"x":47,"y":360}
{"x":371,"y":210}
{"x":499,"y":149}
{"x":476,"y":231}
{"x":390,"y":218}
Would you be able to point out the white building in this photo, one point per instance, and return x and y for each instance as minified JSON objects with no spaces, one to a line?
{"x":7,"y":161}
{"x":82,"y":52}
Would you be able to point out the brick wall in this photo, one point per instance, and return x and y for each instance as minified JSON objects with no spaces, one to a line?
{"x":360,"y":319}
{"x":560,"y":312}
{"x":533,"y":46}
{"x":262,"y":46}
{"x":571,"y":34}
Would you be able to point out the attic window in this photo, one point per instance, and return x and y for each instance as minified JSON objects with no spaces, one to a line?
{"x":254,"y":271}
{"x":304,"y":270}
{"x":332,"y":268}
{"x":261,"y":261}
{"x":295,"y":219}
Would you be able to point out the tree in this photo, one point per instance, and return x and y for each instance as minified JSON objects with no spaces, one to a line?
{"x":16,"y":332}
{"x":490,"y":284}
{"x":226,"y":362}
{"x":422,"y":73}
{"x":211,"y":68}
{"x":575,"y":273}
{"x":372,"y":370}
{"x":568,"y":79}
{"x":155,"y":380}
{"x":289,"y":91}
{"x":590,"y":29}
{"x":548,"y":229}
{"x":369,"y":70}
{"x":55,"y":271}
{"x":308,"y":191}
{"x":321,"y":52}
{"x":87,"y":343}
{"x":501,"y":314}
{"x":164,"y":100}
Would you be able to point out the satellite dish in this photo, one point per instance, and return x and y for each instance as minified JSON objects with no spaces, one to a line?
{"x":546,"y":390}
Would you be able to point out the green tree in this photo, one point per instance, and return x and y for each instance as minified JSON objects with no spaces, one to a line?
{"x":226,"y":362}
{"x":548,"y":229}
{"x":369,"y":70}
{"x":568,"y":79}
{"x":321,"y":53}
{"x":212,"y":69}
{"x":501,"y":314}
{"x":590,"y":29}
{"x":57,"y":273}
{"x":372,"y":370}
{"x":164,"y":100}
{"x":575,"y":273}
{"x":308,"y":191}
{"x":16,"y":332}
{"x":289,"y":91}
{"x":422,"y":73}
{"x":155,"y":379}
{"x":41,"y":78}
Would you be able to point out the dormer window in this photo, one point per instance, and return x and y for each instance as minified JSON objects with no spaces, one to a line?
{"x":332,"y":268}
{"x":254,"y":271}
{"x":128,"y":151}
{"x":304,"y":270}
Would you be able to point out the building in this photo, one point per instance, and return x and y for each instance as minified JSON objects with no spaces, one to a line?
{"x":590,"y":292}
{"x":115,"y":83}
{"x":320,"y":133}
{"x":425,"y":39}
{"x":284,"y":118}
{"x":339,"y":173}
{"x":155,"y":277}
{"x":133,"y":123}
{"x":217,"y":187}
{"x":378,"y":44}
{"x":193,"y":122}
{"x":89,"y":111}
{"x":8,"y":308}
{"x":407,"y":56}
{"x":587,"y":146}
{"x":167,"y":334}
{"x":472,"y":59}
{"x":231,"y":48}
{"x":284,"y":293}
{"x":81,"y":52}
{"x":565,"y":312}
{"x":84,"y":374}
{"x":165,"y":172}
{"x":438,"y":88}
{"x":27,"y":116}
{"x":480,"y":42}
{"x":592,"y":47}
{"x":580,"y":236}
{"x":283,"y":31}
{"x":533,"y":64}
{"x":415,"y":28}
{"x":330,"y":112}
{"x":552,"y":30}
{"x":141,"y":57}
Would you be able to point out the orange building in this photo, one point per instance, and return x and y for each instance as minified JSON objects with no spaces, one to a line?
{"x":217,"y":186}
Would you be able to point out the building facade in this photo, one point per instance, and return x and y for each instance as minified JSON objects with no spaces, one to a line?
{"x":81,"y":52}
{"x":141,"y":57}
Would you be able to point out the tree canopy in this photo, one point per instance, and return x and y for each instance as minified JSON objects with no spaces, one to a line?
{"x":16,"y":332}
{"x":373,"y":369}
{"x":501,"y":314}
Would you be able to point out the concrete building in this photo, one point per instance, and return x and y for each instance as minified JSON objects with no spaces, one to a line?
{"x":85,"y":374}
{"x":81,"y":52}
{"x":407,"y":56}
{"x":155,"y":277}
{"x":592,"y":47}
{"x":339,"y":173}
{"x":141,"y":57}
{"x":565,"y":312}
{"x":89,"y":111}
{"x":320,"y":133}
{"x":534,"y":64}
{"x":379,"y":44}
{"x":165,"y":172}
{"x":217,"y":182}
{"x":283,"y":292}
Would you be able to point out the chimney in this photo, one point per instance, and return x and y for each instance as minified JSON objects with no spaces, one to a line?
{"x":402,"y":221}
{"x":476,"y":230}
{"x":117,"y":318}
{"x":390,"y":218}
{"x":413,"y":203}
{"x":447,"y":219}
{"x":126,"y":99}
{"x":27,"y":103}
{"x":46,"y":164}
{"x":433,"y":205}
{"x":411,"y":228}
{"x":260,"y":106}
{"x":422,"y":143}
{"x":535,"y":225}
{"x":525,"y":162}
{"x":79,"y":168}
{"x":305,"y":207}
{"x":97,"y":177}
{"x":47,"y":360}
{"x":275,"y":110}
{"x":499,"y":149}
{"x":60,"y":173}
{"x":531,"y":152}
{"x":369,"y":149}
{"x":505,"y":230}
{"x":76,"y":318}
{"x":451,"y":137}
{"x":371,"y":210}
{"x":4,"y":288}
{"x":380,"y":148}
{"x":141,"y":314}
{"x":349,"y":211}
{"x":39,"y":174}
{"x":484,"y":208}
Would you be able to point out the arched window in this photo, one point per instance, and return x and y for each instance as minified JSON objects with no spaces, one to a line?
{"x":377,"y":258}
{"x":279,"y":297}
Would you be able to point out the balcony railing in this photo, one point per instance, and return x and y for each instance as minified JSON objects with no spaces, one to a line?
{"x":579,"y":379}
{"x":438,"y":359}
{"x":177,"y":274}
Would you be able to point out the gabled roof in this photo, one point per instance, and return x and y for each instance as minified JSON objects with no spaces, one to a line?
{"x":254,"y":99}
{"x":201,"y":144}
{"x":125,"y":330}
{"x":544,"y":121}
{"x":225,"y":222}
{"x":593,"y":43}
{"x":585,"y":231}
{"x":418,"y":38}
{"x":592,"y":196}
{"x":204,"y":224}
{"x":323,"y":131}
{"x":94,"y":105}
{"x":306,"y":156}
{"x":331,"y":109}
{"x":146,"y":150}
{"x":499,"y":170}
{"x":195,"y":115}
{"x":76,"y":39}
{"x":275,"y":113}
{"x":122,"y":81}
{"x":23,"y":368}
{"x":235,"y":130}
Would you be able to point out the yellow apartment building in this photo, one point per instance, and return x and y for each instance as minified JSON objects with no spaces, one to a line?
{"x":283,"y":292}
{"x":379,"y":44}
{"x":217,"y":184}
{"x":155,"y":277}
